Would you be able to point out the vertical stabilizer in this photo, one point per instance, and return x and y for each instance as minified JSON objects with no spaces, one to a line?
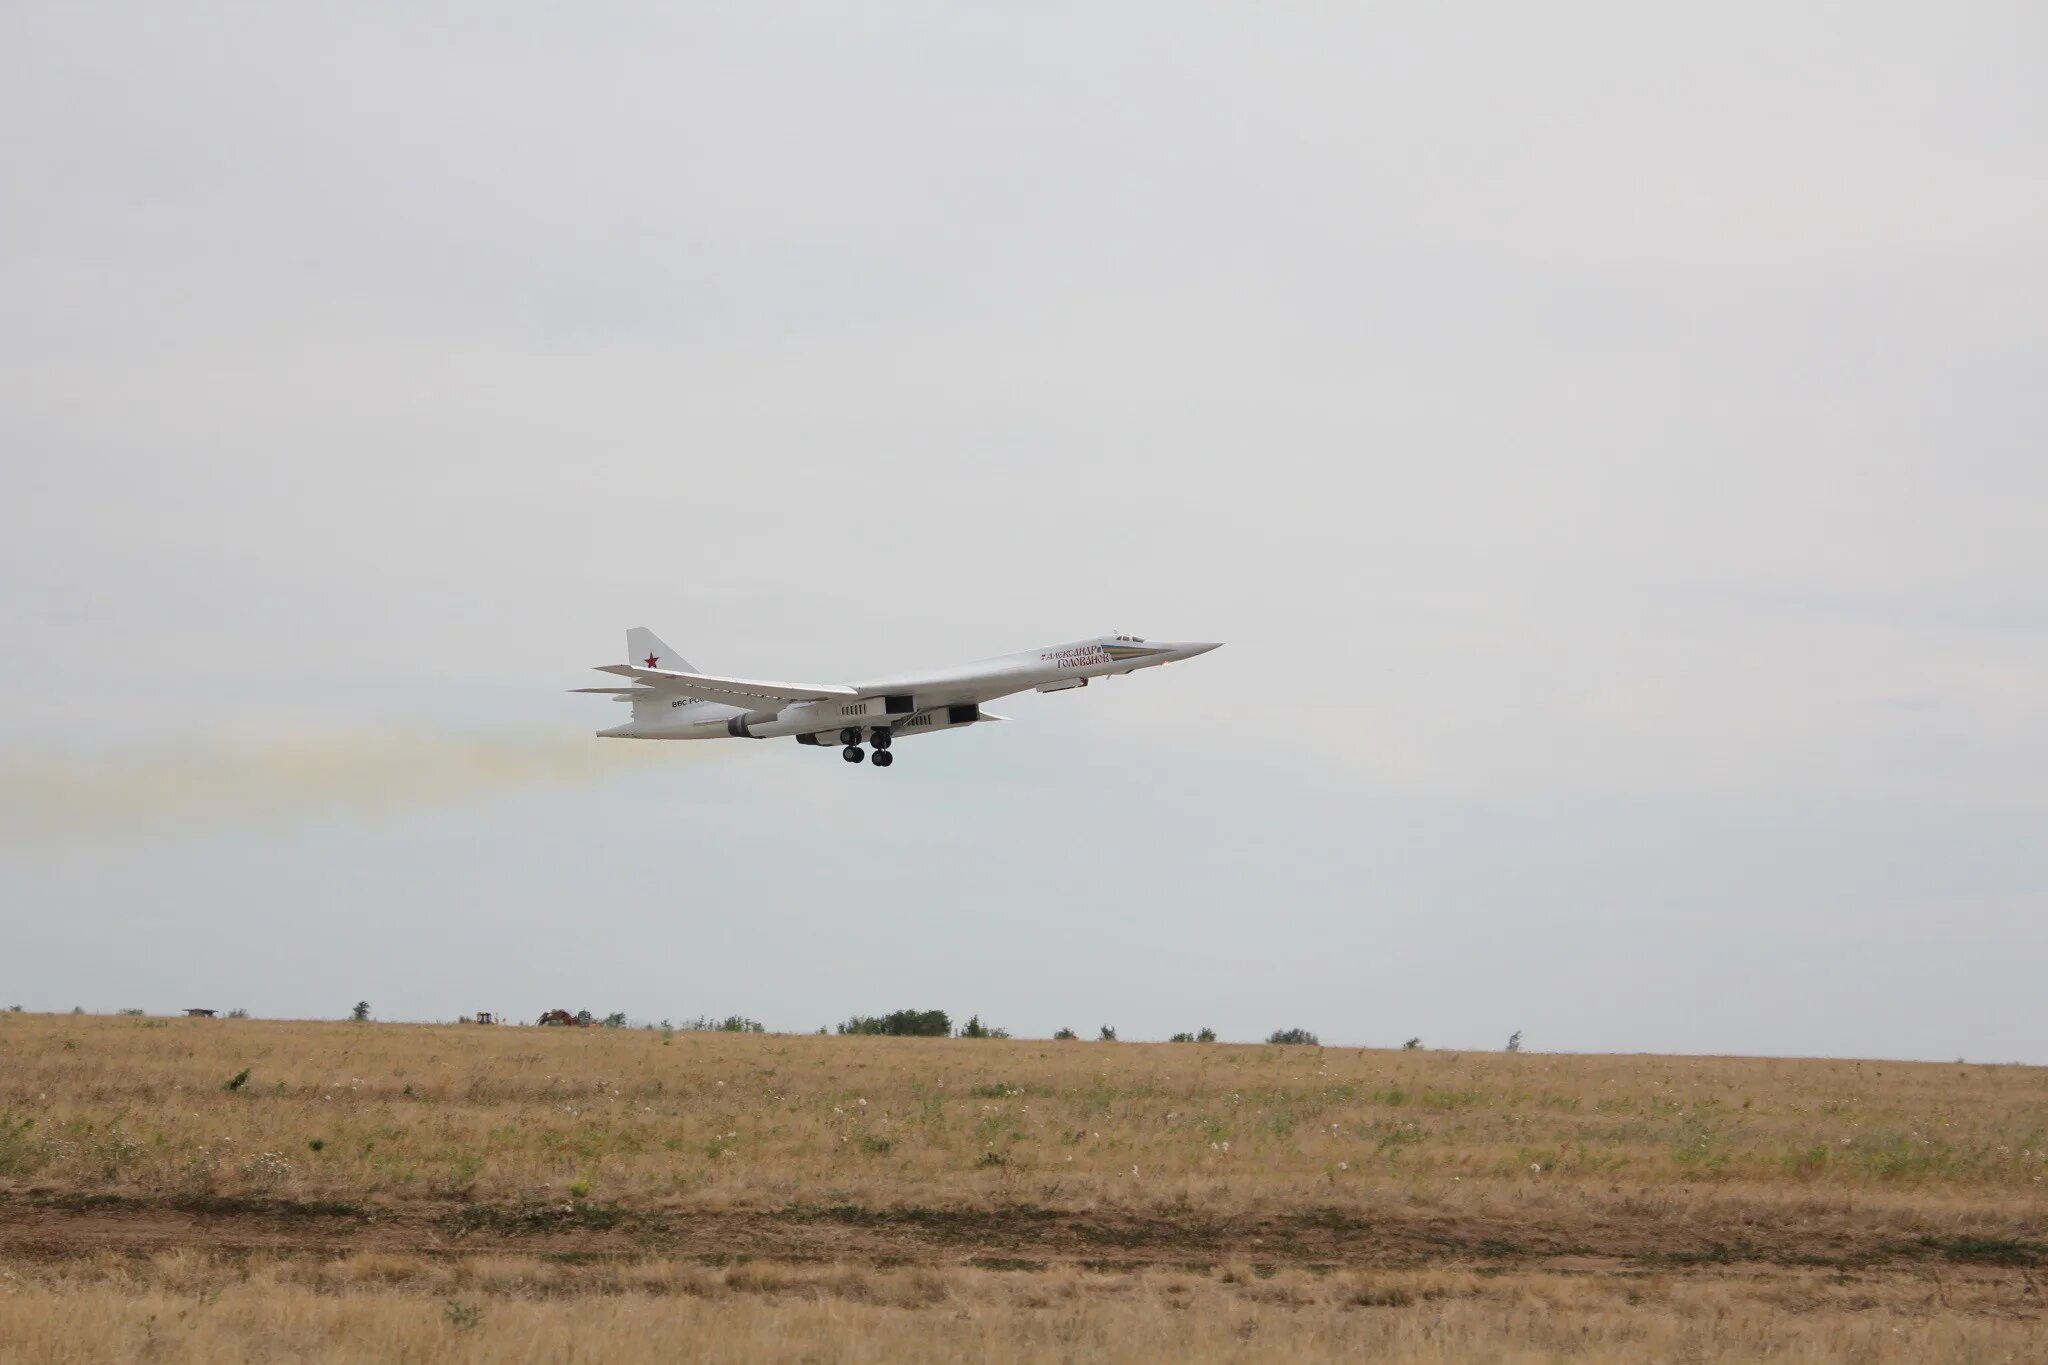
{"x":645,"y":648}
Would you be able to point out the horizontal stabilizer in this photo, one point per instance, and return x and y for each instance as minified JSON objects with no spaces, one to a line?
{"x":733,"y":691}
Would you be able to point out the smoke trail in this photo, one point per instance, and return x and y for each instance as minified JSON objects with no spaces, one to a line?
{"x":241,"y":779}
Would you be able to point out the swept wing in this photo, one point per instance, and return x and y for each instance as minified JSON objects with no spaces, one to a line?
{"x":733,"y":691}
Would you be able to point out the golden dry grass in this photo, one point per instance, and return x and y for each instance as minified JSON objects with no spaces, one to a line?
{"x":345,"y":1111}
{"x":1036,"y":1200}
{"x":188,"y":1306}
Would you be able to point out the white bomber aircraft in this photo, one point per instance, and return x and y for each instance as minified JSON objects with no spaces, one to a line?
{"x":672,"y":700}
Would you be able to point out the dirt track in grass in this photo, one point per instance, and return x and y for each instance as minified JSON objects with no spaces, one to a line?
{"x":55,"y":1225}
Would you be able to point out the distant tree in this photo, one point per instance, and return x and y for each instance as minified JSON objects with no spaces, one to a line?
{"x":902,"y":1024}
{"x":584,"y":1018}
{"x":1108,"y":1035}
{"x":1515,"y":1041}
{"x":1294,"y":1035}
{"x":974,"y":1028}
{"x":1182,"y":1038}
{"x":1411,"y":1045}
{"x":238,"y":1013}
{"x":361,"y":1012}
{"x":1064,"y":1035}
{"x":1207,"y":1035}
{"x":616,"y":1019}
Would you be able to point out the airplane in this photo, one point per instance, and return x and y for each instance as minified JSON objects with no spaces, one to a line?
{"x":672,"y":700}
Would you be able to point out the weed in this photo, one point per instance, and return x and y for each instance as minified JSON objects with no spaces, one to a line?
{"x":236,"y":1081}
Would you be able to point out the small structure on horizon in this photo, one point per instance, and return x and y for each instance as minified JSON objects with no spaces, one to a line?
{"x":200,"y":1014}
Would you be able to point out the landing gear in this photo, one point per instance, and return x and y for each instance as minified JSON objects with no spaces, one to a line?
{"x":880,"y":739}
{"x":882,"y":758}
{"x":851,"y":753}
{"x":850,"y":735}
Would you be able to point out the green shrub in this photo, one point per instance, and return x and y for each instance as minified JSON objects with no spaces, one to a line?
{"x":237,"y":1081}
{"x":1064,"y":1035}
{"x":1207,"y":1035}
{"x":1295,"y":1035}
{"x":1411,"y":1045}
{"x":974,"y":1028}
{"x":1182,"y":1038}
{"x":361,"y":1013}
{"x":1108,"y":1035}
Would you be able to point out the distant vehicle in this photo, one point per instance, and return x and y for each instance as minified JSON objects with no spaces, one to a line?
{"x":200,"y":1014}
{"x":672,"y":700}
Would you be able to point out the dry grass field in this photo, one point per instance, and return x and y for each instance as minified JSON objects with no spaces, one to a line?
{"x":229,"y":1190}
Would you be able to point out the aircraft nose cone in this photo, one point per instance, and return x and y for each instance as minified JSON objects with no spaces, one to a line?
{"x":1200,"y":647}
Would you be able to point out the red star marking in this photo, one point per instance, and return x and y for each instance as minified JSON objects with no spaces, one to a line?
{"x":653,"y":659}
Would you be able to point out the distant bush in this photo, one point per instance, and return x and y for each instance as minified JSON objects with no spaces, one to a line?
{"x":1207,"y":1035}
{"x":584,"y":1018}
{"x":1411,"y":1045}
{"x":238,"y":1014}
{"x":902,"y":1024}
{"x":78,"y":1009}
{"x":1294,"y":1035}
{"x":616,"y":1019}
{"x":732,"y":1023}
{"x":974,"y":1028}
{"x":361,"y":1012}
{"x":131,"y":1014}
{"x":1064,"y":1035}
{"x":1515,"y":1041}
{"x":1182,"y":1038}
{"x":1108,"y":1035}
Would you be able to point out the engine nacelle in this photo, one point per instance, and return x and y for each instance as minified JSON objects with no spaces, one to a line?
{"x":918,"y":723}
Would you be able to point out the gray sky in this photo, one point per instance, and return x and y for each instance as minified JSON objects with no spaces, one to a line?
{"x":1611,"y":443}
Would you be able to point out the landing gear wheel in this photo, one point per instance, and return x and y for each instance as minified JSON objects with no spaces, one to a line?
{"x":882,"y":758}
{"x":880,"y":739}
{"x":851,"y":753}
{"x":849,"y":735}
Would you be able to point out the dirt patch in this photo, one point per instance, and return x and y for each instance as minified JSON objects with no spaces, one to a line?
{"x":1021,"y":1237}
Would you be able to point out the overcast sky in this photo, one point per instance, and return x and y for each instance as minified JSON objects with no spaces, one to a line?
{"x":1613,"y":444}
